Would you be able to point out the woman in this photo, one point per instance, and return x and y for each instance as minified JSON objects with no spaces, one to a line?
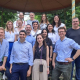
{"x":49,"y":43}
{"x":41,"y":59}
{"x":10,"y":37}
{"x":35,"y":30}
{"x":51,"y":34}
{"x":44,"y":22}
{"x":18,"y":29}
{"x":56,"y":24}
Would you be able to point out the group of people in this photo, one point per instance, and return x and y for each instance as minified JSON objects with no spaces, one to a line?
{"x":39,"y":49}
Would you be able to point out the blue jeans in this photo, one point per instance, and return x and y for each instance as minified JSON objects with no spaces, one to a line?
{"x":77,"y":64}
{"x":19,"y":70}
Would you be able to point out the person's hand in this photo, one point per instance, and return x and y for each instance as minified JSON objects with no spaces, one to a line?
{"x":50,"y":59}
{"x":47,"y":70}
{"x":53,"y":64}
{"x":69,"y":59}
{"x":10,"y":70}
{"x":28,"y":73}
{"x":2,"y":68}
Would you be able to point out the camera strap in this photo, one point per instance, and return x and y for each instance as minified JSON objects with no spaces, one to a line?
{"x":41,"y":54}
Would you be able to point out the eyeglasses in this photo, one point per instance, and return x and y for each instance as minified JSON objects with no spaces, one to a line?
{"x":75,"y":21}
{"x":61,"y":31}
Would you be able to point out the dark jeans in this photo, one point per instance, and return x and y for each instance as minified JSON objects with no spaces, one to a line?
{"x":19,"y":70}
{"x":77,"y":64}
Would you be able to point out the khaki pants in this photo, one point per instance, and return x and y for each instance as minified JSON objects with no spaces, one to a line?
{"x":36,"y":75}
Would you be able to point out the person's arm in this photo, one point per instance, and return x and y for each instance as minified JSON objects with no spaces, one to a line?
{"x":15,"y":37}
{"x":53,"y":61}
{"x":50,"y":53}
{"x":33,"y":43}
{"x":30,"y":53}
{"x":47,"y":50}
{"x":74,"y":57}
{"x":11,"y":59}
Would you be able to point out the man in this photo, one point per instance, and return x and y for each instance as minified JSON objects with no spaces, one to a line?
{"x":21,"y":17}
{"x":74,"y":33}
{"x":21,"y":58}
{"x":62,"y":51}
{"x":4,"y":46}
{"x":32,"y":15}
{"x":29,"y":37}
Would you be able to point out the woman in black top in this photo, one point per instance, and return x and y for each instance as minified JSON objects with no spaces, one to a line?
{"x":49,"y":43}
{"x":41,"y":59}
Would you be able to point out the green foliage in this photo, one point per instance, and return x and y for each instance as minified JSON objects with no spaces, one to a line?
{"x":6,"y":15}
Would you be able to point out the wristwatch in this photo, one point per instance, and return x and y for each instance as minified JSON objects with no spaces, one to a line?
{"x":73,"y":59}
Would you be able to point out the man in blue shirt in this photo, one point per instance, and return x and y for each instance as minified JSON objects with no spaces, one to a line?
{"x":4,"y":46}
{"x":29,"y":37}
{"x":62,"y":51}
{"x":21,"y":58}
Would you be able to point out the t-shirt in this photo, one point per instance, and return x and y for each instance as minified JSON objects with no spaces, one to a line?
{"x":53,"y":37}
{"x":74,"y":34}
{"x":49,"y":43}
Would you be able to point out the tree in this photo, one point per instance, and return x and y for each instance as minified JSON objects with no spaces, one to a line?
{"x":6,"y":15}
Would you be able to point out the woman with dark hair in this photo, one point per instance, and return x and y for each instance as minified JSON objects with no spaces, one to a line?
{"x":51,"y":34}
{"x":41,"y":59}
{"x":49,"y":43}
{"x":56,"y":24}
{"x":44,"y":22}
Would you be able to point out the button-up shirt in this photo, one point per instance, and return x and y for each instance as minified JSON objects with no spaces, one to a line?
{"x":4,"y":47}
{"x":64,"y":48}
{"x":30,"y":39}
{"x":22,"y":53}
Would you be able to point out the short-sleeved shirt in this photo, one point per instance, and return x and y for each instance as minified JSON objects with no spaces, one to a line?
{"x":49,"y":43}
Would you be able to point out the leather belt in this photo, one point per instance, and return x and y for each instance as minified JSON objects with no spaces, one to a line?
{"x":63,"y":63}
{"x":20,"y":63}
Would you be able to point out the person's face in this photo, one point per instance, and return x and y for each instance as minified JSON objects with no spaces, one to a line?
{"x":21,"y":16}
{"x":1,"y":34}
{"x":43,"y":17}
{"x":19,"y":23}
{"x":62,"y":33}
{"x":50,"y":28}
{"x":44,"y":33}
{"x":22,"y":36}
{"x":56,"y":19}
{"x":28,"y":28}
{"x":35,"y":25}
{"x":10,"y":26}
{"x":32,"y":16}
{"x":75,"y":22}
{"x":39,"y":39}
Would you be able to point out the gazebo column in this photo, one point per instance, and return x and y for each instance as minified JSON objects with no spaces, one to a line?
{"x":73,"y":9}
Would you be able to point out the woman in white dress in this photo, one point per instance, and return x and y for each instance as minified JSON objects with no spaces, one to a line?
{"x":56,"y":24}
{"x":44,"y":22}
{"x":18,"y":29}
